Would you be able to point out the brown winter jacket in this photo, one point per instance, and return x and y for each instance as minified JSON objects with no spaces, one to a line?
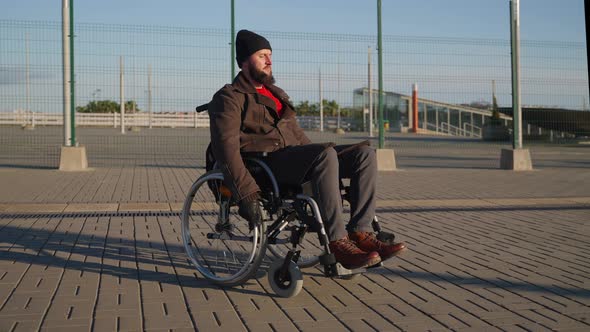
{"x":243,"y":120}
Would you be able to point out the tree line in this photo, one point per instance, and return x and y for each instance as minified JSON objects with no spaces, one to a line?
{"x":330,"y":108}
{"x":108,"y":106}
{"x":302,"y":108}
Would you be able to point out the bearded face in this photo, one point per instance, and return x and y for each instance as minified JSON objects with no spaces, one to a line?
{"x":260,"y":67}
{"x":261,"y":76}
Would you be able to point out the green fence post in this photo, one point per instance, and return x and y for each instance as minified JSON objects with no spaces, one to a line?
{"x":233,"y":43}
{"x":379,"y":46}
{"x":72,"y":82}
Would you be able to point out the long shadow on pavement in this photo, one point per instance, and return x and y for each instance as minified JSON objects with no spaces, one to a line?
{"x":53,"y":248}
{"x":490,"y":282}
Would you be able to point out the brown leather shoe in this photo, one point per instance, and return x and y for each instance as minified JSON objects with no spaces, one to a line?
{"x":367,"y":241}
{"x":350,"y":256}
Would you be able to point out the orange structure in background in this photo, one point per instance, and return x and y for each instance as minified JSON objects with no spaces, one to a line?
{"x":415,"y":108}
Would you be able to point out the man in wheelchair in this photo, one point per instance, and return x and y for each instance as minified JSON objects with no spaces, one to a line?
{"x":252,"y":115}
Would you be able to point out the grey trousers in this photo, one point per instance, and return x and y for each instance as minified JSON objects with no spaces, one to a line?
{"x":360,"y":166}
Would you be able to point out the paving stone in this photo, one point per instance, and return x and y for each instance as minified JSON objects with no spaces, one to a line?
{"x":92,"y":207}
{"x":458,"y":320}
{"x":72,"y":328}
{"x":264,"y":313}
{"x":144,"y":207}
{"x":312,"y":313}
{"x":169,"y":313}
{"x":553,"y":320}
{"x":206,"y":299}
{"x":119,"y":282}
{"x":326,"y":325}
{"x":32,"y":304}
{"x":33,"y":208}
{"x":116,"y":323}
{"x":472,"y":329}
{"x":38,"y":285}
{"x":580,"y":200}
{"x":580,"y":315}
{"x":227,"y":320}
{"x":477,"y":260}
{"x":185,"y":329}
{"x":176,"y":206}
{"x":419,"y":324}
{"x":82,"y":288}
{"x":114,"y":301}
{"x":20,"y":324}
{"x":304,"y":299}
{"x":158,"y":290}
{"x":506,"y":322}
{"x":365,"y":325}
{"x":11,"y":275}
{"x":68,"y":311}
{"x":167,"y":322}
{"x":271,"y":327}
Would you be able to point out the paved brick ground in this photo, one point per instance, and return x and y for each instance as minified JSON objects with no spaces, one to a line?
{"x":488,"y":250}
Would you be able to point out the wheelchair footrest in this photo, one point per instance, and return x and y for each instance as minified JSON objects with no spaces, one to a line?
{"x":342,"y":271}
{"x":337,"y":270}
{"x":380,"y":264}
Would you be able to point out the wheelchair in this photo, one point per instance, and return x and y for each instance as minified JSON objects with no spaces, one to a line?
{"x":228,"y":251}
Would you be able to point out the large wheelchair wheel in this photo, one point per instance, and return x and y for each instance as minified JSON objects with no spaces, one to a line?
{"x":217,"y":240}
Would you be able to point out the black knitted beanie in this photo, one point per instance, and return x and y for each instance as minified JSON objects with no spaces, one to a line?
{"x":248,"y":43}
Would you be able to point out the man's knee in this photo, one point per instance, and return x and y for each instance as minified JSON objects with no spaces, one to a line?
{"x":366,"y":155}
{"x":328,"y":156}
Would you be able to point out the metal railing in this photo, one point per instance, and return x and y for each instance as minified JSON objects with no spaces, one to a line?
{"x":474,"y":131}
{"x":159,"y":120}
{"x":165,"y":120}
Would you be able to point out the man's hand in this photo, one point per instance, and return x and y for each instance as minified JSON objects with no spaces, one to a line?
{"x":250,"y":209}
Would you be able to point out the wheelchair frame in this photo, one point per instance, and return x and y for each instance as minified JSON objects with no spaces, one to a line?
{"x":284,"y":273}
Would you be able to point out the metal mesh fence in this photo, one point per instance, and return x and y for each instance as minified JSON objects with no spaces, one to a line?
{"x":172,"y":70}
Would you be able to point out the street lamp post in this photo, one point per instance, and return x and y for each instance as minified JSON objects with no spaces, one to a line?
{"x":122,"y":94}
{"x":150,"y":95}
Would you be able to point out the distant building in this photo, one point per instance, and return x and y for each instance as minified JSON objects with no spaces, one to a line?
{"x":395,"y":106}
{"x":433,"y":116}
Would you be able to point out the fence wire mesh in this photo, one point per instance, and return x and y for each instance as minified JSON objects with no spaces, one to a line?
{"x":170,"y":70}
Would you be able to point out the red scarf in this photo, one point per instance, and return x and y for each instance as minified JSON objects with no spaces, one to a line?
{"x":265,"y":92}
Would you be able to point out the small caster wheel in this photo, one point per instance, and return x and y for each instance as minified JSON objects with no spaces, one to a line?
{"x":288,"y":286}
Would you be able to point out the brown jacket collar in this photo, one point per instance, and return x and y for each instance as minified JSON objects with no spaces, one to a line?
{"x":242,"y":85}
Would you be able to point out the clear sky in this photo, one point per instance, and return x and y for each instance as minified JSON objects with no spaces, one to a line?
{"x":547,"y":20}
{"x":455,"y":71}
